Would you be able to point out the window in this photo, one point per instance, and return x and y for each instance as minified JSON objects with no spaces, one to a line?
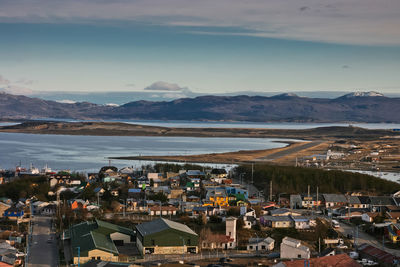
{"x":251,"y":247}
{"x":98,"y":258}
{"x":299,"y":256}
{"x":93,"y":258}
{"x":263,"y":247}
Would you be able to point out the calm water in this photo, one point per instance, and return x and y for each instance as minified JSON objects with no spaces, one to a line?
{"x":90,"y":152}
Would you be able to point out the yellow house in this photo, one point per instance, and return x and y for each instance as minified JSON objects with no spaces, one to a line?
{"x":217,"y":197}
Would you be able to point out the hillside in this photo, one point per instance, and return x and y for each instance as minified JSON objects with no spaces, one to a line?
{"x":356,"y":107}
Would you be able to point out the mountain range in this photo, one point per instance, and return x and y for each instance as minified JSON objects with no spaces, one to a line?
{"x":369,"y":107}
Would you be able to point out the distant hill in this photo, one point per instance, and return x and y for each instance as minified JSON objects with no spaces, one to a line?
{"x":354,"y":107}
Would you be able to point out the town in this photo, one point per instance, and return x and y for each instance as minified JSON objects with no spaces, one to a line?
{"x":192,"y":214}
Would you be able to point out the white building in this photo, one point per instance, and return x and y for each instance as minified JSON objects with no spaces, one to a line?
{"x":261,"y":244}
{"x":231,"y":231}
{"x":293,"y":249}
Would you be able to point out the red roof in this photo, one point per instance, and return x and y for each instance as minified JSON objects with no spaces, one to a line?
{"x":219,"y":238}
{"x":3,"y":264}
{"x":342,"y":260}
{"x":378,"y":254}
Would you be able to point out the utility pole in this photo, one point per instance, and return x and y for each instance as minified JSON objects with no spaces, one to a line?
{"x":308,"y":196}
{"x":270,"y":190}
{"x":79,"y":256}
{"x":252,"y":173}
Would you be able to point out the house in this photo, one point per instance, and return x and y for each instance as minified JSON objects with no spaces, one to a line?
{"x":163,"y":236}
{"x":48,"y":210}
{"x":393,"y":232}
{"x":164,"y":210}
{"x":219,"y":174}
{"x":208,"y":210}
{"x":249,"y":217}
{"x":13,"y":213}
{"x":218,"y":197}
{"x":78,"y":204}
{"x":277,"y":221}
{"x":293,"y":249}
{"x":345,"y":213}
{"x":216,"y":241}
{"x":3,"y":208}
{"x":114,"y":192}
{"x":334,"y":200}
{"x":394,"y":216}
{"x":369,"y":216}
{"x":195,"y":174}
{"x":99,"y":191}
{"x":174,"y":181}
{"x":296,"y":201}
{"x":375,"y":254}
{"x":261,"y":244}
{"x":96,"y":240}
{"x":249,"y":221}
{"x":378,"y":203}
{"x":283,"y":212}
{"x":342,"y":260}
{"x":301,"y":222}
{"x":356,"y":202}
{"x":311,"y":201}
{"x":135,"y":193}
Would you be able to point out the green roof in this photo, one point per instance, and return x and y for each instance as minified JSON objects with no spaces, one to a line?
{"x":109,"y":228}
{"x":162,"y":224}
{"x":94,"y":235}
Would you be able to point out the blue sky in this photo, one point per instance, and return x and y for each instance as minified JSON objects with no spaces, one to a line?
{"x":203,"y":46}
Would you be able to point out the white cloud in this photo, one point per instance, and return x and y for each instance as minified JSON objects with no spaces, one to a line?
{"x":366,"y":22}
{"x":17,"y":90}
{"x":164,"y":86}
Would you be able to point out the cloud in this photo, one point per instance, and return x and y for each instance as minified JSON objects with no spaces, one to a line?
{"x":17,"y":90}
{"x":3,"y":80}
{"x":25,"y":81}
{"x":365,"y":22}
{"x":345,"y":67}
{"x":164,"y":86}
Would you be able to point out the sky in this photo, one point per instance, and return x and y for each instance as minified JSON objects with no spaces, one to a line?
{"x":207,"y":46}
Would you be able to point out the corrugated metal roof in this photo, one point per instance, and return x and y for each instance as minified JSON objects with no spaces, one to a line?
{"x":162,"y":224}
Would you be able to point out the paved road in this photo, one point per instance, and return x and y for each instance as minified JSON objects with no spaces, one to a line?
{"x":289,"y":151}
{"x":366,"y":238}
{"x":42,"y":253}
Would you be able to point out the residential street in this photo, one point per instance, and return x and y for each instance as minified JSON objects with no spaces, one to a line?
{"x":365,"y":238}
{"x":43,"y":252}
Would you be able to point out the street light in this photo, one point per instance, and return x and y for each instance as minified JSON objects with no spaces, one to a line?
{"x":124,"y":209}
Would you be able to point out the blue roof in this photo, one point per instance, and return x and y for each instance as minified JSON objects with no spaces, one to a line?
{"x":134,"y":190}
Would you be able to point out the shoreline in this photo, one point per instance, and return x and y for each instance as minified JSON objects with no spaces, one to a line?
{"x":235,"y":157}
{"x":125,"y":129}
